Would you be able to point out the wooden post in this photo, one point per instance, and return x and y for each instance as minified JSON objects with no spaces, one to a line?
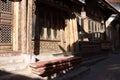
{"x":29,"y":25}
{"x":23,"y":26}
{"x":15,"y":25}
{"x":71,"y":35}
{"x":75,"y":35}
{"x":86,"y":28}
{"x":67,"y":37}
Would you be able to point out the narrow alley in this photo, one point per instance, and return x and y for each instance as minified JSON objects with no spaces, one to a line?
{"x":108,"y":69}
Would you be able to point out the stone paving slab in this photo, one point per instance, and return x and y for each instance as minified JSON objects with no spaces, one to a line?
{"x":71,"y":75}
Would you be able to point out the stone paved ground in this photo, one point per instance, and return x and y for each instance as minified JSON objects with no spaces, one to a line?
{"x":108,"y":69}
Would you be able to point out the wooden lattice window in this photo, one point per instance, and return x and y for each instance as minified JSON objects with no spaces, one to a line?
{"x":6,"y":6}
{"x":5,"y":21}
{"x":5,"y":36}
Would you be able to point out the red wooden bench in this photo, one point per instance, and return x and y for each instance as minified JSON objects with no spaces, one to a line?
{"x":45,"y":68}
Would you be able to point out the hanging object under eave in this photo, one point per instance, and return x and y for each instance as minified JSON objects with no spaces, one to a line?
{"x":83,"y":13}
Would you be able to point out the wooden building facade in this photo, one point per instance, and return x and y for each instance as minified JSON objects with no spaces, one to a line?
{"x":53,"y":24}
{"x":34,"y":27}
{"x":54,"y":30}
{"x":49,"y":28}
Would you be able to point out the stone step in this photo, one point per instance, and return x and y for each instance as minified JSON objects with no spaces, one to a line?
{"x":11,"y":57}
{"x":12,"y":63}
{"x":13,"y":67}
{"x":11,"y":60}
{"x":5,"y":62}
{"x":43,"y":57}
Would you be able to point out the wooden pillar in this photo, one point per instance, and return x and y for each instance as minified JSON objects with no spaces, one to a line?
{"x":23,"y":26}
{"x":67,"y":37}
{"x":15,"y":25}
{"x":86,"y":25}
{"x":75,"y":30}
{"x":73,"y":35}
{"x":29,"y":25}
{"x":86,"y":28}
{"x":105,"y":30}
{"x":61,"y":38}
{"x":45,"y":28}
{"x":91,"y":26}
{"x":52,"y":26}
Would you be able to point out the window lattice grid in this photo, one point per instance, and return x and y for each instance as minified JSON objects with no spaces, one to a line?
{"x":5,"y":34}
{"x":6,"y":6}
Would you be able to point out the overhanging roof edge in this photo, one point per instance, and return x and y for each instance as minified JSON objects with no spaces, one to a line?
{"x":113,"y":8}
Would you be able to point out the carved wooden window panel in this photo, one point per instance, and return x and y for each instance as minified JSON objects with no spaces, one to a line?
{"x":47,"y":21}
{"x":62,"y":25}
{"x":55,"y":33}
{"x":92,"y":27}
{"x":89,"y":26}
{"x":55,"y":26}
{"x":41,"y":28}
{"x":82,"y":23}
{"x":48,"y":29}
{"x":33,"y":26}
{"x":6,"y":5}
{"x":5,"y":34}
{"x":46,"y":24}
{"x":5,"y":21}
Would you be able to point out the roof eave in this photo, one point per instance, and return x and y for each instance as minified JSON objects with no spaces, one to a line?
{"x":111,"y":6}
